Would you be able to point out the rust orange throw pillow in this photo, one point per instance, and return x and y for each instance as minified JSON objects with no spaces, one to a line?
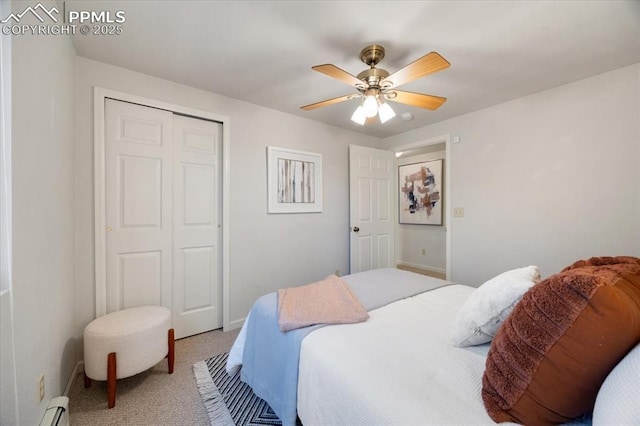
{"x":552,"y":354}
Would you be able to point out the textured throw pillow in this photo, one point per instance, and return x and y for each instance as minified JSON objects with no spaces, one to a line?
{"x":618,"y":402}
{"x":488,"y":306}
{"x":554,"y":351}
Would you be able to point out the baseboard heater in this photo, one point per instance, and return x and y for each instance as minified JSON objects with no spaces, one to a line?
{"x":57,"y":412}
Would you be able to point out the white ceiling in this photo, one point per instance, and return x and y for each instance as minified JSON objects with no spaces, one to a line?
{"x":262,"y":51}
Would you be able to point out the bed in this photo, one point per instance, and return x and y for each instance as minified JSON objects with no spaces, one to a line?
{"x":398,"y":367}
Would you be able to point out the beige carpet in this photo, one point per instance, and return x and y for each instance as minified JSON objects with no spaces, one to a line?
{"x":153,"y":397}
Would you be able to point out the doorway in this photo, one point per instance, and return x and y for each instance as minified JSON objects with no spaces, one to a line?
{"x":426,"y":248}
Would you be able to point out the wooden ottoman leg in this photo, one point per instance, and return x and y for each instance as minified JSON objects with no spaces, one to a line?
{"x":111,"y":379}
{"x":171,"y":356}
{"x":87,"y":381}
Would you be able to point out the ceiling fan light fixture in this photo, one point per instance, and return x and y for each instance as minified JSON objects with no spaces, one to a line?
{"x":370,"y":106}
{"x":385,"y":112}
{"x":376,"y":85}
{"x":359,"y":116}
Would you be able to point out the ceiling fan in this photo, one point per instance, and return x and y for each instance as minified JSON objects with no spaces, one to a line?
{"x":376,"y":85}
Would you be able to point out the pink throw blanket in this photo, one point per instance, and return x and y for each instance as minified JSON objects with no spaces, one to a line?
{"x":329,"y":301}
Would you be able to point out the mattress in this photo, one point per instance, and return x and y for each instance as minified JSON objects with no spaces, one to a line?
{"x":270,"y":358}
{"x":397,"y":368}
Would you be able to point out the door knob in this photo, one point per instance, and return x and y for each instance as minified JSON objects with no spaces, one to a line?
{"x":356,"y":229}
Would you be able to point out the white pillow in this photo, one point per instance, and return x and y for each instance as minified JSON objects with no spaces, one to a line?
{"x":618,"y":402}
{"x":490,"y":304}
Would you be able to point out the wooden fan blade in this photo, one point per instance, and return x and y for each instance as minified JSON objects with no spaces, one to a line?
{"x":417,"y":99}
{"x":428,"y":64}
{"x":335,"y":72}
{"x":329,"y":102}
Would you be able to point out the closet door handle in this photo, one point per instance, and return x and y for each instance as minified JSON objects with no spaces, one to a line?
{"x":356,"y":229}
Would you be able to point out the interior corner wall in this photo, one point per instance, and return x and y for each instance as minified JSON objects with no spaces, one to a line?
{"x":545,"y":179}
{"x":8,"y":384}
{"x":267,"y":251}
{"x":411,"y":240}
{"x":43,"y":286}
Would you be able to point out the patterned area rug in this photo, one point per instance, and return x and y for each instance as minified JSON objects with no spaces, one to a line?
{"x":228,"y":400}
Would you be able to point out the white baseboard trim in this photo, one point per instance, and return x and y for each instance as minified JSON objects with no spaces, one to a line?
{"x":425,"y":267}
{"x":235,"y":324}
{"x":79,"y":368}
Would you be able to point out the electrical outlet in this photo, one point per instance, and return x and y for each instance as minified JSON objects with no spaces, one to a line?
{"x":41,"y":387}
{"x":458,"y":212}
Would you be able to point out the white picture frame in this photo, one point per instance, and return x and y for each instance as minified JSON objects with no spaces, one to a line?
{"x":294,"y":181}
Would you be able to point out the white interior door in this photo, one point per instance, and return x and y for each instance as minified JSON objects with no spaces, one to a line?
{"x":138,"y":205}
{"x":197,"y":277}
{"x":163,"y":214}
{"x":371,"y":184}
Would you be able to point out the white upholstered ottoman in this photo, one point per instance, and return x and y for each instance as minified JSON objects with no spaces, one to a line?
{"x":138,"y":337}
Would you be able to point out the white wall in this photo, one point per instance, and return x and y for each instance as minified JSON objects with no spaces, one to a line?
{"x":43,"y":216}
{"x":412,"y":239}
{"x":8,"y":393}
{"x":267,"y":251}
{"x":545,"y":179}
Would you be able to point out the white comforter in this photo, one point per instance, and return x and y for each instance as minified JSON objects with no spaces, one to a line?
{"x":398,"y":368}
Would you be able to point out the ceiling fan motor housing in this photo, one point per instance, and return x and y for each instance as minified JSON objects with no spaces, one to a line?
{"x":373,"y":76}
{"x":372,"y":55}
